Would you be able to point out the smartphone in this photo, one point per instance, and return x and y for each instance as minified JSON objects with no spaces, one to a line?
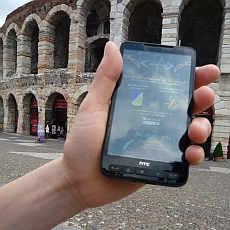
{"x":149,"y":115}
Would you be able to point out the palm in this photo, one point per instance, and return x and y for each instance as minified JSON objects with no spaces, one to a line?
{"x":85,"y":163}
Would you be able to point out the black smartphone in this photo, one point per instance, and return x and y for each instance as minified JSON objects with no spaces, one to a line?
{"x":149,"y":115}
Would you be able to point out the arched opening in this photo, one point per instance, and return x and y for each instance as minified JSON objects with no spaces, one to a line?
{"x":92,"y":23}
{"x":30,"y":115}
{"x":80,"y":100}
{"x":61,"y":40}
{"x":145,"y":23}
{"x":34,"y":50}
{"x":94,"y":54}
{"x":12,"y":115}
{"x":56,"y":114}
{"x":11,"y":50}
{"x":200,"y":28}
{"x":33,"y":116}
{"x":31,"y":33}
{"x":98,"y":21}
{"x":1,"y":59}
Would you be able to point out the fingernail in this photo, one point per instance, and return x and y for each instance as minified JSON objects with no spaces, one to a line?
{"x":105,"y":50}
{"x":205,"y":127}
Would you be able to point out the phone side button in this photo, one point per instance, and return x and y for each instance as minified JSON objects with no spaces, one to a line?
{"x":173,"y":176}
{"x":114,"y":168}
{"x":129,"y":170}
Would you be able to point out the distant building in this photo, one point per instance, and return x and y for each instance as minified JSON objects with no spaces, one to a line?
{"x":50,"y":50}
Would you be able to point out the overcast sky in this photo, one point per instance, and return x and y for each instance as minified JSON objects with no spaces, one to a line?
{"x":7,"y":6}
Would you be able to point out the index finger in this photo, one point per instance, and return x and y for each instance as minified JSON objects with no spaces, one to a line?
{"x":206,"y":75}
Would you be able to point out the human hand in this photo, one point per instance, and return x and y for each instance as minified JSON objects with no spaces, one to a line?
{"x":83,"y":147}
{"x":69,"y":184}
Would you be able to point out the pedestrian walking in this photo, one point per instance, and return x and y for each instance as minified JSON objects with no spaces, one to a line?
{"x":62,"y":133}
{"x":54,"y":131}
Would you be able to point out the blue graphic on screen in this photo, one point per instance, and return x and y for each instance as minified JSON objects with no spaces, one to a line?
{"x":127,"y":144}
{"x":137,"y":98}
{"x":150,"y":113}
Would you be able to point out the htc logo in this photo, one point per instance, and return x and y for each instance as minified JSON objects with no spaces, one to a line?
{"x":144,"y":163}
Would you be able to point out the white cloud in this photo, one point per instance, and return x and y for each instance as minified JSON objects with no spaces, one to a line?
{"x":7,"y":6}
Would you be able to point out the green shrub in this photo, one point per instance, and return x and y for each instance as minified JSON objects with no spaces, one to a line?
{"x":218,"y":151}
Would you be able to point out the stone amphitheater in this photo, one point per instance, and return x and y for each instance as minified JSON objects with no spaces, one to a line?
{"x":50,"y":50}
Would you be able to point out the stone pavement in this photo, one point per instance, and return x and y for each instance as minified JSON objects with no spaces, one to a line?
{"x":203,"y":203}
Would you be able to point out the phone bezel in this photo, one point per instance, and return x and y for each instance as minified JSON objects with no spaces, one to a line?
{"x":182,"y":168}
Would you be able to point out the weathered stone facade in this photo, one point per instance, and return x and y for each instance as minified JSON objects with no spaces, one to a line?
{"x":52,"y":48}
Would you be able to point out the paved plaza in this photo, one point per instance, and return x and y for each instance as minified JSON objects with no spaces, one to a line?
{"x":203,"y":203}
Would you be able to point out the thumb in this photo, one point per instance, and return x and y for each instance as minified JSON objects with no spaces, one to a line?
{"x":107,"y":74}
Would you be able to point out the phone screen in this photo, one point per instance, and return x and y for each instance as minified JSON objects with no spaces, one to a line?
{"x":150,"y":112}
{"x":149,"y":108}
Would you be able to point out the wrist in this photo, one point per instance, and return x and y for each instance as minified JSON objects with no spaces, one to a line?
{"x":69,"y":189}
{"x":41,"y":193}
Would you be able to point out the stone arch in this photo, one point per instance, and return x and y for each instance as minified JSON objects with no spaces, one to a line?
{"x":10,"y":51}
{"x":134,"y":14}
{"x":81,"y":90}
{"x":2,"y":36}
{"x":183,"y":3}
{"x":80,"y":100}
{"x":98,"y":20}
{"x":84,"y":7}
{"x":10,"y":27}
{"x":11,"y":115}
{"x":29,"y":38}
{"x":77,"y":99}
{"x":55,"y":115}
{"x":50,"y":97}
{"x":58,"y":32}
{"x":200,"y":28}
{"x":49,"y":105}
{"x":52,"y":14}
{"x":87,"y":4}
{"x":90,"y":29}
{"x":29,"y":91}
{"x":97,"y":31}
{"x":27,"y":117}
{"x":26,"y":27}
{"x":79,"y":96}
